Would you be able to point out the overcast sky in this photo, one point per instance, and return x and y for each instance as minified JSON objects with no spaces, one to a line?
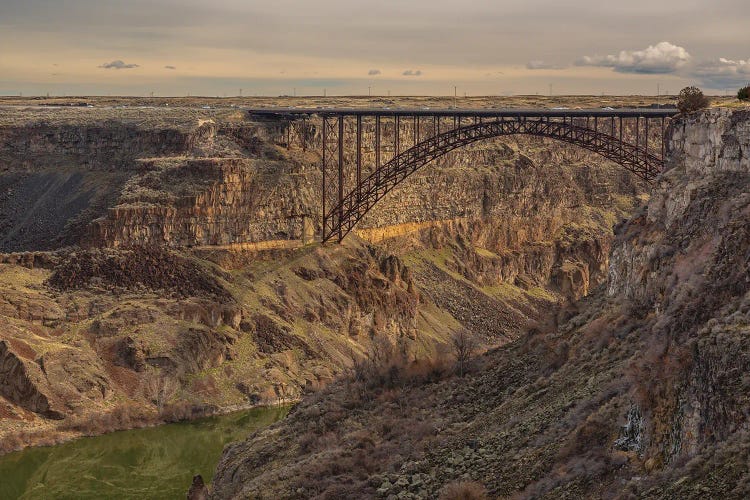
{"x":271,"y":47}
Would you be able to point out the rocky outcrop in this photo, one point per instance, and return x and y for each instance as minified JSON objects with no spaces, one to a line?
{"x":76,"y":376}
{"x":685,"y":260}
{"x":24,"y":383}
{"x":153,"y":268}
{"x":708,"y":165}
{"x":57,"y":177}
{"x":60,"y":171}
{"x":60,"y":382}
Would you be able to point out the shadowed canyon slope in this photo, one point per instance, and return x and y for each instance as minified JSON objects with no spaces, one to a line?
{"x":156,"y":264}
{"x":639,"y":390}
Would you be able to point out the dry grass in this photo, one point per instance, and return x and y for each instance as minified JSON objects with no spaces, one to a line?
{"x":463,"y":490}
{"x":187,"y":113}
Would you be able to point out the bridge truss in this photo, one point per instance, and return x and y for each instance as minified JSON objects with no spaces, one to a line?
{"x":366,"y":153}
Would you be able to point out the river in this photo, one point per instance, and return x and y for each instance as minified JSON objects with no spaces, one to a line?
{"x":151,"y":463}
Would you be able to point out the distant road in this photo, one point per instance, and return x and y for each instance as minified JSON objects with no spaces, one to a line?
{"x":465,"y":112}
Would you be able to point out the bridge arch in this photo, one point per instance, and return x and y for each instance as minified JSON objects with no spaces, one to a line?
{"x":350,"y":209}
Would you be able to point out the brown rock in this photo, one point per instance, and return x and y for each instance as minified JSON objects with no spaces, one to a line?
{"x":198,"y":490}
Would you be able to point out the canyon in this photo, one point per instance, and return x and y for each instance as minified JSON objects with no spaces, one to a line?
{"x":637,"y":390}
{"x":159,"y":263}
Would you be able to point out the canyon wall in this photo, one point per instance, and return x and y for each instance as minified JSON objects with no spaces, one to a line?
{"x":684,"y":262}
{"x":60,"y":170}
{"x":183,"y":181}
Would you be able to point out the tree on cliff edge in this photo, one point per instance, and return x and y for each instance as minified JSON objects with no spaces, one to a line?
{"x":692,"y":99}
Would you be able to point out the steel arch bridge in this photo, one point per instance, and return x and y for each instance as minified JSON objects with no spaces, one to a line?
{"x":351,"y":187}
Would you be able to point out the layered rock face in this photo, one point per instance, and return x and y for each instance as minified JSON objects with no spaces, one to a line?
{"x":708,"y":167}
{"x":57,"y":177}
{"x":541,"y":216}
{"x":155,"y":177}
{"x":637,"y":391}
{"x":208,"y":202}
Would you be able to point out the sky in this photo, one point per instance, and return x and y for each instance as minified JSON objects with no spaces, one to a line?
{"x":354,"y":47}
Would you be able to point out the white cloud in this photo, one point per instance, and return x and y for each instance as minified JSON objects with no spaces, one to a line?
{"x":412,"y":72}
{"x":373,"y":72}
{"x":663,"y":57}
{"x":169,"y":67}
{"x":722,"y":73}
{"x":542,"y":65}
{"x":118,"y":65}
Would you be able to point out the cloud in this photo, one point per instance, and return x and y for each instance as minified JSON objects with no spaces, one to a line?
{"x":373,"y":72}
{"x":663,"y":57}
{"x":542,"y":65}
{"x":118,"y":65}
{"x":412,"y":72}
{"x":169,"y":67}
{"x":722,"y":73}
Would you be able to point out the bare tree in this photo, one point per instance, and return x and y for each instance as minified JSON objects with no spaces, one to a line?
{"x":464,"y":345}
{"x":159,"y":389}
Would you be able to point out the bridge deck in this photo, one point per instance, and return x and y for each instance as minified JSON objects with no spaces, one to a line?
{"x":353,"y":185}
{"x":464,"y":112}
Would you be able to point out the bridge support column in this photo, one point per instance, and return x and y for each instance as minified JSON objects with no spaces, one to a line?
{"x":325,"y":147}
{"x":359,"y":155}
{"x":341,"y":178}
{"x":377,"y":142}
{"x":396,"y":134}
{"x":645,"y":153}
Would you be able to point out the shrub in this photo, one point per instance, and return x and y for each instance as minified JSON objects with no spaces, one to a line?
{"x":463,"y":490}
{"x":691,"y":99}
{"x":308,"y":442}
{"x":159,"y":389}
{"x":744,"y":93}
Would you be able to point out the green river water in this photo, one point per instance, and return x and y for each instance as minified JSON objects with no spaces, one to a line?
{"x":157,"y":462}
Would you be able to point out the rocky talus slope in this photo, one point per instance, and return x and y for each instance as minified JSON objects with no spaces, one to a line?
{"x":639,"y":390}
{"x":156,"y":264}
